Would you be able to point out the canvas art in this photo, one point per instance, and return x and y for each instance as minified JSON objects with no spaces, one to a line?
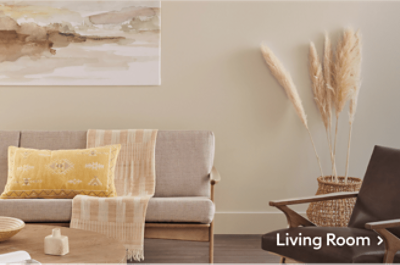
{"x":79,"y":42}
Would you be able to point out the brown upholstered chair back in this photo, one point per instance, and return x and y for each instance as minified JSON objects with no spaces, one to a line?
{"x":379,"y":196}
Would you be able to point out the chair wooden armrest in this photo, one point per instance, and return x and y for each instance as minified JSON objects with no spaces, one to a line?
{"x":215,"y":177}
{"x":294,"y":219}
{"x":392,"y":242}
{"x":383,"y":224}
{"x":317,"y":198}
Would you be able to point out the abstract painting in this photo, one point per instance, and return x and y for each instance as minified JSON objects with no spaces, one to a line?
{"x":80,"y":42}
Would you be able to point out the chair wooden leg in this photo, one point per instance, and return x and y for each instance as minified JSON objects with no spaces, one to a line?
{"x":389,"y":256}
{"x":211,"y":253}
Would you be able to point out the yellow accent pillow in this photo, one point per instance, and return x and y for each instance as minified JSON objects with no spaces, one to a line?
{"x":61,"y":174}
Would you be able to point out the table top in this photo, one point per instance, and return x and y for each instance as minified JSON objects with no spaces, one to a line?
{"x":84,"y":246}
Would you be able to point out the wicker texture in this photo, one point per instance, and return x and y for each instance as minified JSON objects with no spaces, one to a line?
{"x":333,"y":213}
{"x":9,"y":227}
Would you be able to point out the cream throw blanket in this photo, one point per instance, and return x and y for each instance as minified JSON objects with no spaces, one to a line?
{"x":122,"y":217}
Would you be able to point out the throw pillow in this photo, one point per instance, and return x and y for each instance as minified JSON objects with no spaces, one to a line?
{"x":60,"y":174}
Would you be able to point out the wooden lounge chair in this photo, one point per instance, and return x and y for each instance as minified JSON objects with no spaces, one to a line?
{"x":376,"y":213}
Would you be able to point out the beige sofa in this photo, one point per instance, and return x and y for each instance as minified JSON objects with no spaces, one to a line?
{"x":182,"y":207}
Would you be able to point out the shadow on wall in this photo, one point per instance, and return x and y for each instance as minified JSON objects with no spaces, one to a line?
{"x":267,"y":98}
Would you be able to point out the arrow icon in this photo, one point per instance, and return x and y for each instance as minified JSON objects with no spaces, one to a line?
{"x":380,"y":240}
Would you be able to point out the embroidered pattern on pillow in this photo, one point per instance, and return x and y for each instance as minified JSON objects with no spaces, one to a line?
{"x":61,"y":174}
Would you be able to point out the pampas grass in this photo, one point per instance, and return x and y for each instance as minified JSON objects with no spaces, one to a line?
{"x":356,"y":72}
{"x":285,"y":80}
{"x":343,"y":75}
{"x":318,"y":85}
{"x":328,"y":78}
{"x":322,"y":90}
{"x":327,"y":67}
{"x":347,"y":69}
{"x":334,"y":82}
{"x":344,"y":70}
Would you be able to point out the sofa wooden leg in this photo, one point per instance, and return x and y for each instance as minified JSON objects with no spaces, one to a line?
{"x":212,"y":242}
{"x":283,"y":260}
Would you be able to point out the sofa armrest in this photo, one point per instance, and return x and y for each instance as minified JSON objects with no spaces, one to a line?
{"x":317,"y":198}
{"x":215,"y":177}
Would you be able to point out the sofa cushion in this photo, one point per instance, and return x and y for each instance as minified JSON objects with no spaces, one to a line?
{"x":7,"y":138}
{"x":183,"y":158}
{"x":53,"y":140}
{"x":37,"y":210}
{"x":180,"y":210}
{"x":183,"y":162}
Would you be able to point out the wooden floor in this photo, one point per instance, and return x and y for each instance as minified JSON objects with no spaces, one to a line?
{"x":228,"y":249}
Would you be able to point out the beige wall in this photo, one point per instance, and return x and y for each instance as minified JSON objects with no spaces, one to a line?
{"x":213,"y":78}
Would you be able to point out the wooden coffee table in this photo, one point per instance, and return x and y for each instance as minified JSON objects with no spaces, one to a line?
{"x":84,"y":246}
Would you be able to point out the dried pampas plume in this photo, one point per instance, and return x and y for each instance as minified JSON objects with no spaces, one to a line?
{"x":285,"y":80}
{"x":356,"y":75}
{"x":318,"y":84}
{"x":320,"y":81}
{"x":356,"y":72}
{"x":344,"y":75}
{"x":344,"y":70}
{"x":328,"y":78}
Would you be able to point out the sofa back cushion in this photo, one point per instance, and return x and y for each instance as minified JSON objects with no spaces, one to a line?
{"x":183,"y":163}
{"x":7,"y":138}
{"x":183,"y":158}
{"x":53,"y":140}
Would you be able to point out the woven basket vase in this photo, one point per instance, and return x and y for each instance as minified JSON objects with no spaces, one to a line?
{"x":334,"y":213}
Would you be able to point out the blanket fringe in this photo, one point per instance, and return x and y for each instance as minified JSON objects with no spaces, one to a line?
{"x":135,"y":254}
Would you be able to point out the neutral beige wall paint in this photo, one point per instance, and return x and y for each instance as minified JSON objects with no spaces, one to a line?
{"x":213,"y":78}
